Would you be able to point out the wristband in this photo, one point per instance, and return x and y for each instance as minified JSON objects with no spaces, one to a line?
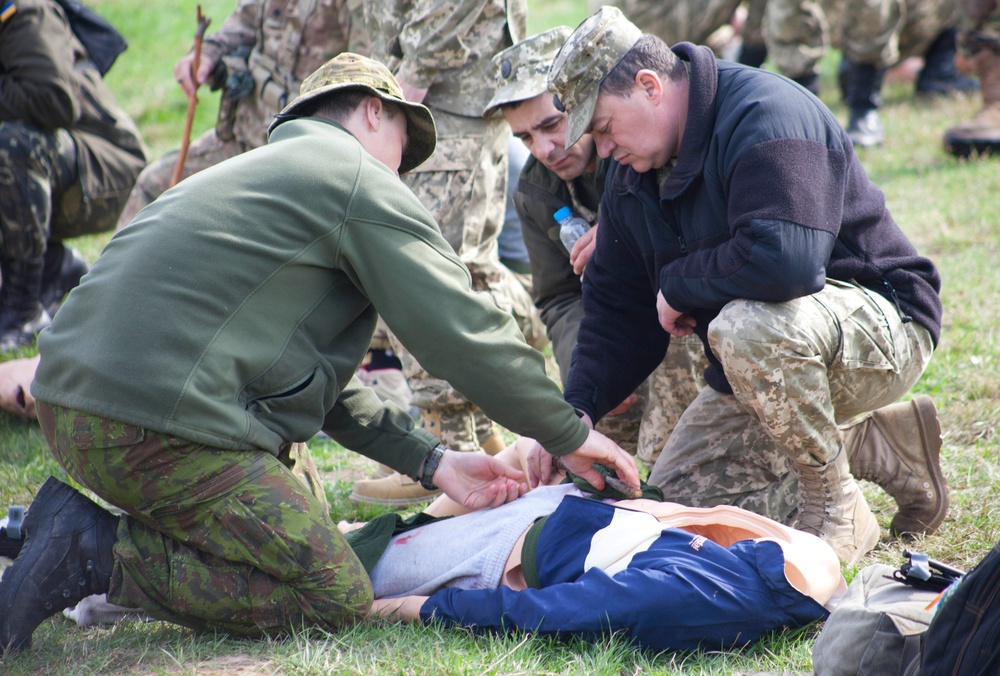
{"x":430,"y":466}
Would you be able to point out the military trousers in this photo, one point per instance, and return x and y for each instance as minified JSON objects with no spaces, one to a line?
{"x":205,"y":151}
{"x":37,"y":174}
{"x":211,"y":538}
{"x":798,"y":369}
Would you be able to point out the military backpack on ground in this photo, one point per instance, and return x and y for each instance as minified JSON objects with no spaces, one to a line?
{"x":964,"y":637}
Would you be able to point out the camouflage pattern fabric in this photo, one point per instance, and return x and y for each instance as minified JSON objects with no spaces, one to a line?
{"x":462,"y":185}
{"x":36,"y":170}
{"x":796,"y":375}
{"x":676,"y":21}
{"x":211,"y":538}
{"x":289,"y":39}
{"x":979,"y":26}
{"x":879,"y":32}
{"x":446,"y":46}
{"x":672,"y":387}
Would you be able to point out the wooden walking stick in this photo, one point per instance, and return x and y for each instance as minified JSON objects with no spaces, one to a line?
{"x":199,"y":36}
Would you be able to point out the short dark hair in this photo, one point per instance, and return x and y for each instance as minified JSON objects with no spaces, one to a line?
{"x":649,"y":53}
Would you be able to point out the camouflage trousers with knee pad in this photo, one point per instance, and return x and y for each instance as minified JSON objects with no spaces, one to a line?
{"x":37,"y":168}
{"x":212,"y":538}
{"x":205,"y":151}
{"x":463,"y":186}
{"x":798,"y":369}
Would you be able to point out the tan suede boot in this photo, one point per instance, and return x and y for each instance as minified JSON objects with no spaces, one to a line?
{"x":395,"y":490}
{"x":982,"y":133}
{"x":832,"y":507}
{"x":898,"y":447}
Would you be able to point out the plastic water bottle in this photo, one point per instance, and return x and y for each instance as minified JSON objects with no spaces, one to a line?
{"x":570,"y":227}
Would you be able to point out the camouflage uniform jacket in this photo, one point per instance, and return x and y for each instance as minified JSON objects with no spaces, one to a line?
{"x":47,"y":80}
{"x":556,"y":289}
{"x":767,"y":199}
{"x":252,"y":289}
{"x":446,"y":46}
{"x":288,"y":40}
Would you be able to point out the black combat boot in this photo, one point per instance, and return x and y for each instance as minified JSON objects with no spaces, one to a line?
{"x":939,"y":76}
{"x":21,"y":313}
{"x":864,"y":127}
{"x":64,"y":266}
{"x":66,"y":557}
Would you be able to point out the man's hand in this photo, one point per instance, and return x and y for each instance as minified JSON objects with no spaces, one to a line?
{"x":601,"y":450}
{"x":544,"y":469}
{"x":673,"y":322}
{"x":182,"y":71}
{"x":583,"y":250}
{"x":478,"y":481}
{"x":15,"y":386}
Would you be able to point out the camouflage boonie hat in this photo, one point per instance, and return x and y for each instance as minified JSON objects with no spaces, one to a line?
{"x":521,"y":70}
{"x":353,"y":71}
{"x":590,"y":53}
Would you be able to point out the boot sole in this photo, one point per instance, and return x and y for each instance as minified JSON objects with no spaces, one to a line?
{"x":930,"y":434}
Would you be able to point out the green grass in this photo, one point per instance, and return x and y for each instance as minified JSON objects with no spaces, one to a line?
{"x":949,"y":209}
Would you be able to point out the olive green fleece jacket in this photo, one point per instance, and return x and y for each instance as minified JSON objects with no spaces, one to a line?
{"x":235,"y":310}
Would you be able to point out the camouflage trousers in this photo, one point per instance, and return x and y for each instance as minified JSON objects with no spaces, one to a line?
{"x":979,"y":25}
{"x":205,"y":151}
{"x":879,"y":32}
{"x":463,"y":185}
{"x":211,"y":538}
{"x":39,"y":190}
{"x":798,"y":369}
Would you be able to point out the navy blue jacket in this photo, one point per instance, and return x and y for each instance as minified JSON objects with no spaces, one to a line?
{"x":767,"y":199}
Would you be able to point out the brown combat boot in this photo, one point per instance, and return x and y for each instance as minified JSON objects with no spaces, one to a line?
{"x":898,"y":447}
{"x":981,"y":134}
{"x":832,"y":507}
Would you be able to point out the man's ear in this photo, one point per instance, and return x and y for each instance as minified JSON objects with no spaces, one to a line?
{"x":373,"y":112}
{"x":650,"y":83}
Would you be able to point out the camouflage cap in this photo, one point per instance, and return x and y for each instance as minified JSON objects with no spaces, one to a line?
{"x":353,"y":71}
{"x":521,"y":70}
{"x":590,"y":53}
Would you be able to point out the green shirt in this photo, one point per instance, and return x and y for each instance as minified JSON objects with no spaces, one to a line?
{"x":235,"y":310}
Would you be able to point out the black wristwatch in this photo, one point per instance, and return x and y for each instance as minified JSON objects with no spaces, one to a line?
{"x":430,"y":466}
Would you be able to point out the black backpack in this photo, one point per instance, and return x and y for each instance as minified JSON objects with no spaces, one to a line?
{"x":101,"y":40}
{"x":963,"y":639}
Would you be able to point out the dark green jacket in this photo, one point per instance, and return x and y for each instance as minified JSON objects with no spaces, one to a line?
{"x":252,"y":291}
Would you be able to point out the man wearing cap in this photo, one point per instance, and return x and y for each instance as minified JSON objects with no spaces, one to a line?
{"x":179,"y":412}
{"x":554,"y":177}
{"x":736,"y":209}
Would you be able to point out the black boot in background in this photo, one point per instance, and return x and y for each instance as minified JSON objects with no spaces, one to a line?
{"x":21,"y":313}
{"x":939,"y":76}
{"x":64,"y":266}
{"x":864,"y":97}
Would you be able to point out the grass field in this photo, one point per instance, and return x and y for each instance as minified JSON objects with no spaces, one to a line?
{"x":949,"y":208}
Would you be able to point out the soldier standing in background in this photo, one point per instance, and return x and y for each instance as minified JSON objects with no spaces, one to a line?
{"x":259,"y":57}
{"x":440,"y":52}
